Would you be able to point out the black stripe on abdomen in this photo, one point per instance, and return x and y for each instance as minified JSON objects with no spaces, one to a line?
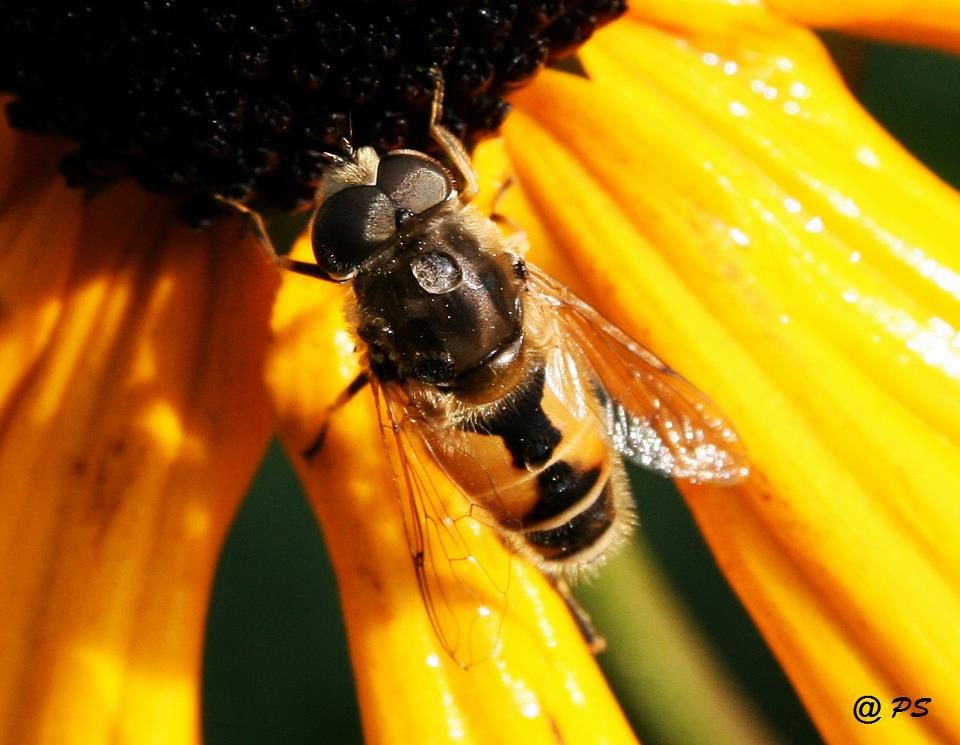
{"x":521,"y":423}
{"x":559,"y":488}
{"x":579,"y":533}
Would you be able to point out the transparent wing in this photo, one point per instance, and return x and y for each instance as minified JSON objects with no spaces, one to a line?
{"x":462,"y":569}
{"x":654,"y":417}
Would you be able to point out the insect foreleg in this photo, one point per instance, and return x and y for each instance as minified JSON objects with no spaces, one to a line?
{"x":263,"y":240}
{"x":356,"y":385}
{"x":451,"y":146}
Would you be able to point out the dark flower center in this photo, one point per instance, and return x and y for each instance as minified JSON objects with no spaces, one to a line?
{"x":241,"y":98}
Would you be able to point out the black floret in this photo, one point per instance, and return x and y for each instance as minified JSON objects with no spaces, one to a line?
{"x":240,"y":99}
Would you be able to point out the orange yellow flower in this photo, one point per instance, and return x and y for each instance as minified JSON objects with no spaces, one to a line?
{"x":714,"y":190}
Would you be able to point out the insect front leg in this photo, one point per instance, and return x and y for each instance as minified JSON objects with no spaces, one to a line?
{"x":451,"y":146}
{"x":263,"y":240}
{"x":516,"y":240}
{"x":513,"y":233}
{"x":346,"y":395}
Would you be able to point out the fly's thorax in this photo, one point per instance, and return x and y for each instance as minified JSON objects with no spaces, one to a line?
{"x":439,"y":306}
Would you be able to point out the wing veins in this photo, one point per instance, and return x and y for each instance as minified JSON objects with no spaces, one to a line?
{"x":653,"y":415}
{"x":452,"y":581}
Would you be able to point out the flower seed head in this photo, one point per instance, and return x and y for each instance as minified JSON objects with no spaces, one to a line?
{"x":193,"y":99}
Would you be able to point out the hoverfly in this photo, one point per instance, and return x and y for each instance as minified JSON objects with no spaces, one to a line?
{"x":525,"y":397}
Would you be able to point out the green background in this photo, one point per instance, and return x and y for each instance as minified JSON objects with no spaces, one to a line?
{"x":276,"y":665}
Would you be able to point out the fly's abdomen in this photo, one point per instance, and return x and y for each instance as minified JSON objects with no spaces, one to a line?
{"x":577,"y":508}
{"x":547,"y":478}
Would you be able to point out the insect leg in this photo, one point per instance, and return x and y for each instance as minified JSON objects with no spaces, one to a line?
{"x":513,"y":233}
{"x":595,"y":642}
{"x":263,"y":240}
{"x":502,"y":190}
{"x":356,"y":385}
{"x":450,"y":145}
{"x":516,"y":238}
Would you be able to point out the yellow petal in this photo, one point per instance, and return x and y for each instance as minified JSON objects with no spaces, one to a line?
{"x":932,"y":22}
{"x":724,"y":199}
{"x":543,"y":687}
{"x":127,"y":343}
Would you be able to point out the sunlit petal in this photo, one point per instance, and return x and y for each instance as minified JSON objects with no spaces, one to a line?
{"x":127,"y":344}
{"x":931,"y":22}
{"x":724,"y":199}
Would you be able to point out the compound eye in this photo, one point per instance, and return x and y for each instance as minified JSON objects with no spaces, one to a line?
{"x":413,"y":182}
{"x":349,"y":227}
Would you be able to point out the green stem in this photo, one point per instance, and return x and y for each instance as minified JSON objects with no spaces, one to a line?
{"x":670,"y":683}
